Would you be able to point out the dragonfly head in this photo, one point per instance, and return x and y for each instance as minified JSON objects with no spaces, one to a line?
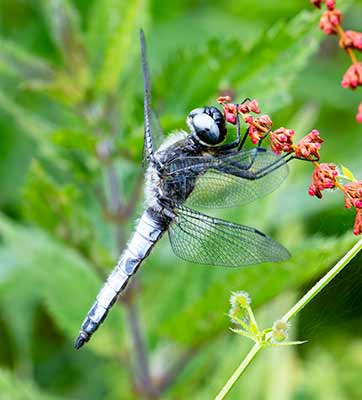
{"x":207,"y":125}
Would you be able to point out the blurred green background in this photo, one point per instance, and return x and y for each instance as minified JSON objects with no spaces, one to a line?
{"x":71,"y":120}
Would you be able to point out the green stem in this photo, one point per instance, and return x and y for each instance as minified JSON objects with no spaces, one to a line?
{"x":241,"y":368}
{"x":317,"y":288}
{"x":323,"y":282}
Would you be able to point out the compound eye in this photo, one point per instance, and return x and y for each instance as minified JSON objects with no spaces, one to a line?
{"x":206,"y":129}
{"x":208,"y":124}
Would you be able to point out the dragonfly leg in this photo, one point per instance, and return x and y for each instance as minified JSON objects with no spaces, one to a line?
{"x":239,"y":142}
{"x":260,"y":173}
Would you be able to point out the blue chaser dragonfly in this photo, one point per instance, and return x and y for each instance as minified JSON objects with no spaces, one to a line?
{"x":189,"y":170}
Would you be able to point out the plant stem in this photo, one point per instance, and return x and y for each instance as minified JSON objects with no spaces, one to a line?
{"x":241,"y":368}
{"x":307,"y":298}
{"x":141,"y":352}
{"x":323,"y":282}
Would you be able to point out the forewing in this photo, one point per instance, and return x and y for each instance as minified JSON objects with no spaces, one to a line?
{"x":232,"y":180}
{"x":202,"y":239}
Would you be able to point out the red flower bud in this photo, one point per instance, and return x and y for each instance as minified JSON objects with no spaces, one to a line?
{"x":281,"y":140}
{"x":258,"y":126}
{"x":357,"y":229}
{"x":309,"y":145}
{"x":359,"y":114}
{"x":264,"y":120}
{"x":329,"y":21}
{"x":330,"y":4}
{"x":353,"y":194}
{"x":254,"y":134}
{"x":230,"y":112}
{"x":323,"y":177}
{"x":353,"y":77}
{"x":316,"y":3}
{"x":249,"y":106}
{"x":352,"y":40}
{"x":223,"y":99}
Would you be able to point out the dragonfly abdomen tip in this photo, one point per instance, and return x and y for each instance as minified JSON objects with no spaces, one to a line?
{"x":81,"y":340}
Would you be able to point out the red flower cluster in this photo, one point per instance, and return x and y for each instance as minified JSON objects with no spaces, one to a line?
{"x":353,"y":194}
{"x":231,"y":110}
{"x":258,"y":127}
{"x":249,"y":106}
{"x":330,"y":20}
{"x":309,"y":146}
{"x":351,"y":40}
{"x":330,"y":23}
{"x":353,"y":77}
{"x":323,"y":177}
{"x":282,"y":140}
{"x":353,"y":198}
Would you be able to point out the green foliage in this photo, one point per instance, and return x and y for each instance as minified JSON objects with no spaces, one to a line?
{"x":120,"y":22}
{"x":265,"y":69}
{"x":71,"y":115}
{"x":13,"y":388}
{"x":55,"y":274}
{"x":263,"y":284}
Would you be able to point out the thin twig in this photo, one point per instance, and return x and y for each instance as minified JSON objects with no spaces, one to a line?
{"x":241,"y":368}
{"x":169,"y":378}
{"x":308,"y":297}
{"x":143,"y":372}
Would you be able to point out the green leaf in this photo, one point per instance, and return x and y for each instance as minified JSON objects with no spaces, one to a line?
{"x":55,"y":208}
{"x":264,"y":71}
{"x":347,"y":173}
{"x":35,"y":74}
{"x":204,"y":317}
{"x":36,"y":127}
{"x":18,"y":302}
{"x":64,"y":25}
{"x":12,"y":388}
{"x":25,"y":66}
{"x":122,"y":42}
{"x":65,"y":282}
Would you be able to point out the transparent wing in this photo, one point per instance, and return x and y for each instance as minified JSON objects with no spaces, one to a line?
{"x":202,"y":239}
{"x":231,"y":180}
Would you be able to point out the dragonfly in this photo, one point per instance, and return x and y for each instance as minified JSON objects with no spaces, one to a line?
{"x":186,"y":171}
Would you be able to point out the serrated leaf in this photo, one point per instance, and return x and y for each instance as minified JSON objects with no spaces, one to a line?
{"x":58,"y":209}
{"x":264,"y":71}
{"x":65,"y":282}
{"x":121,"y":47}
{"x":12,"y":388}
{"x":348,"y":173}
{"x":204,"y":317}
